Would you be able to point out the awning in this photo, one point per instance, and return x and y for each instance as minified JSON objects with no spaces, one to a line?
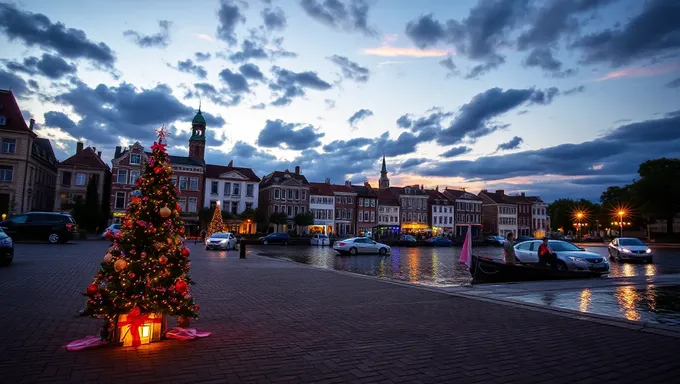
{"x":415,"y":226}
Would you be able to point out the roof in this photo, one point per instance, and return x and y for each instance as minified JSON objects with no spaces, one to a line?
{"x":363,"y":191}
{"x":498,"y":198}
{"x":342,"y":188}
{"x":277,"y":177}
{"x":198,"y":119}
{"x":214,"y":171}
{"x":387,"y":197}
{"x":411,"y":190}
{"x":42,"y":150}
{"x":534,"y":199}
{"x":9,"y":108}
{"x":321,"y":189}
{"x":180,"y":160}
{"x":86,"y":158}
{"x":436,"y":195}
{"x":460,"y":194}
{"x":518,"y":199}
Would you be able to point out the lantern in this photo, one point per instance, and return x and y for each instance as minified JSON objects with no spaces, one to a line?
{"x":148,"y":327}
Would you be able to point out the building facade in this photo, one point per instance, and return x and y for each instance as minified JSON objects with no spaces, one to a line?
{"x":467,"y":212}
{"x":345,"y":206}
{"x":500,"y":214}
{"x":523,"y":214}
{"x":236,"y":190}
{"x":28,"y":167}
{"x":322,"y":206}
{"x":366,"y":208}
{"x":284,"y":191}
{"x":414,"y":209}
{"x":441,"y":212}
{"x":540,"y":221}
{"x":388,"y":214}
{"x":75,"y":173}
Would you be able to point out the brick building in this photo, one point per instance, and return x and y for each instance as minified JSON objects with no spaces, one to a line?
{"x":75,"y":173}
{"x":500,"y":213}
{"x":284,"y":191}
{"x":467,"y":212}
{"x":524,"y":214}
{"x":414,"y":210}
{"x":366,"y":208}
{"x":345,"y":209}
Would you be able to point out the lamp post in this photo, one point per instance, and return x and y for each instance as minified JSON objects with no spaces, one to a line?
{"x":621,"y":213}
{"x":579,"y":216}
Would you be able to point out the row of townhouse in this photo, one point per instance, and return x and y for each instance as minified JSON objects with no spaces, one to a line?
{"x":521,"y":215}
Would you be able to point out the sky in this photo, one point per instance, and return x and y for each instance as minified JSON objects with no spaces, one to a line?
{"x":556,"y":98}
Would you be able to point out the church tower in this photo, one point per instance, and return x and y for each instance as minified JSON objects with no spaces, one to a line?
{"x":384,"y":181}
{"x":197,"y":139}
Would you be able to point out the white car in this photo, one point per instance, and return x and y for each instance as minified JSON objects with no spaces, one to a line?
{"x":630,"y":248}
{"x":356,"y":245}
{"x":569,"y":256}
{"x":319,"y":239}
{"x":114,"y":228}
{"x":221,"y":240}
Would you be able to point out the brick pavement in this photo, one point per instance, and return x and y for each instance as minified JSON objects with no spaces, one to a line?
{"x":277,"y":321}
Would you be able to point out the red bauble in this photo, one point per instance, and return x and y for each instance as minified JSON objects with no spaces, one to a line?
{"x":182,"y":287}
{"x":92,"y":290}
{"x":196,"y":307}
{"x":181,"y":230}
{"x":179,"y":207}
{"x":163,"y":260}
{"x":157,"y":170}
{"x":109,"y":236}
{"x":186,"y":252}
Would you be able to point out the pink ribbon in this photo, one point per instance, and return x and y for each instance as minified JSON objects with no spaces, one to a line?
{"x":186,"y":333}
{"x":88,"y":342}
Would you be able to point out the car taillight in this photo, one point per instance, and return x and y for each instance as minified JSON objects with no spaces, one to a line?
{"x":341,"y":244}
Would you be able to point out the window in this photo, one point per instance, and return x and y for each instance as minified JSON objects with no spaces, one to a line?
{"x":361,"y":216}
{"x":290,"y":194}
{"x":81,"y":179}
{"x":193,"y":183}
{"x":234,"y":207}
{"x":183,"y":183}
{"x":214,"y":187}
{"x":297,"y":194}
{"x":122,"y":176}
{"x":361,"y":202}
{"x":249,"y":206}
{"x":276,"y":194}
{"x":367,"y":216}
{"x":237,"y":189}
{"x":344,"y":213}
{"x":304,"y":195}
{"x":9,"y":145}
{"x":193,"y":203}
{"x":182,"y":201}
{"x":6,"y":173}
{"x":227,"y":189}
{"x":296,"y":210}
{"x":65,"y":179}
{"x":134,"y":175}
{"x":350,"y":200}
{"x":289,"y":210}
{"x":249,"y":190}
{"x":174,"y":181}
{"x":135,"y":158}
{"x":120,"y":201}
{"x":373,"y":216}
{"x":302,"y":209}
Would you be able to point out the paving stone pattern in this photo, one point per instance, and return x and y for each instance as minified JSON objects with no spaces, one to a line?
{"x":275,"y":321}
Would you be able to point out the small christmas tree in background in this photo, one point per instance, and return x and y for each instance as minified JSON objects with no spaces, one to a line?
{"x":146,"y":270}
{"x":216,"y":225}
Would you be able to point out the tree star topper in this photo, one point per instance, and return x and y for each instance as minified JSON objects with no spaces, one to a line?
{"x":162,"y":133}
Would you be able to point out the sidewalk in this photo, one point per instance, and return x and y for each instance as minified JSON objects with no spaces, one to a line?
{"x":275,"y":321}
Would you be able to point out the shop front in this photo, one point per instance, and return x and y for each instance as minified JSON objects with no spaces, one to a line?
{"x":386,"y":232}
{"x":321,"y":228}
{"x":442,"y":231}
{"x":415,"y":228}
{"x":240,"y":227}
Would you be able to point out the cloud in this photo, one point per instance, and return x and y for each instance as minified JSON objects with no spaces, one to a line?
{"x":674,"y":83}
{"x":274,"y":18}
{"x":229,"y":16}
{"x":188,"y":66}
{"x":410,"y":163}
{"x":251,"y":71}
{"x":542,"y":57}
{"x":358,"y":116}
{"x":388,"y":51}
{"x":288,"y":84}
{"x":36,"y":29}
{"x":50,"y":66}
{"x":641,"y":71}
{"x":514,"y":143}
{"x":277,"y":133}
{"x":157,"y":40}
{"x":456,"y":151}
{"x":348,"y":15}
{"x":330,"y":104}
{"x":202,"y":56}
{"x":452,"y":69}
{"x":11,"y":81}
{"x":236,"y":83}
{"x":350,"y":69}
{"x":249,"y":50}
{"x":578,"y":89}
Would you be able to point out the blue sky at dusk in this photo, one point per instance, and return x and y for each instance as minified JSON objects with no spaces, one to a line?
{"x":560,"y":98}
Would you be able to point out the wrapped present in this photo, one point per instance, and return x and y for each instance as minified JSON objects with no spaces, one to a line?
{"x":136,"y":328}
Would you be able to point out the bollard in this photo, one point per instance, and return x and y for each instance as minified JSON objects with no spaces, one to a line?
{"x":242,"y":249}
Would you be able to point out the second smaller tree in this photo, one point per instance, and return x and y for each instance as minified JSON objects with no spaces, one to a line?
{"x":216,"y":224}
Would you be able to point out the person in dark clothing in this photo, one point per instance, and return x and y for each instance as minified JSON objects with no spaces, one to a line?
{"x":546,"y":255}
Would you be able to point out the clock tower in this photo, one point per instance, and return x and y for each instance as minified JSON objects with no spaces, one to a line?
{"x":197,"y":139}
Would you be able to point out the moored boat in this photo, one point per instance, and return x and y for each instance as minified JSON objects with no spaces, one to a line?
{"x":487,"y":270}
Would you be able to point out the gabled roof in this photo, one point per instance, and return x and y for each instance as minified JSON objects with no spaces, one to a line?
{"x":42,"y":150}
{"x":534,"y":199}
{"x":460,"y":194}
{"x":321,"y":189}
{"x":363,"y":191}
{"x":518,"y":199}
{"x":214,"y":171}
{"x":341,"y":188}
{"x":387,"y":197}
{"x":497,"y":198}
{"x":436,"y":195}
{"x":86,"y":158}
{"x":9,"y":108}
{"x":278,"y":177}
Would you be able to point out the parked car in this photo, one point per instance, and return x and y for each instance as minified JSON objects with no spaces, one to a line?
{"x":6,"y":249}
{"x":114,"y":228}
{"x":221,"y":240}
{"x":439,"y":241}
{"x":568,"y":238}
{"x":275,"y":238}
{"x":356,"y":245}
{"x":407,"y":240}
{"x":629,"y":248}
{"x":319,"y":239}
{"x":569,"y":256}
{"x":54,"y":227}
{"x":524,"y":238}
{"x":495,"y":240}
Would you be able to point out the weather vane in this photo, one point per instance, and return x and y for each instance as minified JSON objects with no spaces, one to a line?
{"x":162,"y":133}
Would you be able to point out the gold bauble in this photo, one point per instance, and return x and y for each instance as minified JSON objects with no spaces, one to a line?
{"x":119,"y":265}
{"x":165,"y":212}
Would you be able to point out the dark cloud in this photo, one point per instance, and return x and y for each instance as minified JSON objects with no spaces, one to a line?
{"x":404,"y":121}
{"x":431,"y":122}
{"x":348,"y":15}
{"x":47,"y":65}
{"x":350,"y":69}
{"x":188,"y":66}
{"x":578,"y":89}
{"x":246,"y":155}
{"x":202,"y":56}
{"x":410,"y":163}
{"x":277,"y":133}
{"x":249,"y":50}
{"x":229,"y":16}
{"x":456,"y":151}
{"x":288,"y":84}
{"x":648,"y":35}
{"x":274,"y":18}
{"x":514,"y":143}
{"x":157,"y":40}
{"x":674,"y":83}
{"x":207,"y":90}
{"x":452,"y":69}
{"x":236,"y":83}
{"x":251,"y":71}
{"x":543,"y":58}
{"x":38,"y":29}
{"x":9,"y":80}
{"x":358,"y":116}
{"x":544,"y":97}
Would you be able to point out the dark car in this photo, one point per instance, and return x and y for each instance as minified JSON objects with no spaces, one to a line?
{"x":439,"y":241}
{"x":6,"y":249}
{"x":407,"y":240}
{"x":275,"y":238}
{"x":55,"y":227}
{"x":495,"y":240}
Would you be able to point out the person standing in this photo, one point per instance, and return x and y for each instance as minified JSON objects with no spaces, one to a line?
{"x":509,"y":249}
{"x":546,"y":255}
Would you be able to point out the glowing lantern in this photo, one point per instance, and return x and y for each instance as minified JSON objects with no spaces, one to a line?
{"x":148,"y":327}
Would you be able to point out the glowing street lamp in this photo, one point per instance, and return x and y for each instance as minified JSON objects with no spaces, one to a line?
{"x":621,"y":213}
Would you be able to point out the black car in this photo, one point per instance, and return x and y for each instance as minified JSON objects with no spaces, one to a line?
{"x":275,"y":238}
{"x":55,"y":227}
{"x":6,"y":249}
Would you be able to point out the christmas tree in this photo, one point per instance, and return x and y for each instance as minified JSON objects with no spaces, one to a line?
{"x":146,"y":270}
{"x":216,"y":224}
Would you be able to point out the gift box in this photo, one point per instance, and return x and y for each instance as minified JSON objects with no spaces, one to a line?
{"x":134,"y":329}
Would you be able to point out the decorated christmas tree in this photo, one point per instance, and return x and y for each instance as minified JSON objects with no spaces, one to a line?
{"x":145,"y":273}
{"x":216,"y":224}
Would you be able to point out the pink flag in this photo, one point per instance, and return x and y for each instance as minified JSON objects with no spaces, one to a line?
{"x":466,"y":252}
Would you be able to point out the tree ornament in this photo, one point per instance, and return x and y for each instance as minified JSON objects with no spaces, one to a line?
{"x":92,"y":290}
{"x":119,"y":265}
{"x":179,"y":207}
{"x":186,"y":252}
{"x":163,"y":260}
{"x":131,"y":275}
{"x":108,"y":258}
{"x":165,"y":212}
{"x":182,"y":287}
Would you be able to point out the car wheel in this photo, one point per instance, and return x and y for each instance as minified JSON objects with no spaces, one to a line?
{"x":53,"y":238}
{"x":265,"y":242}
{"x":561,"y":265}
{"x":353,"y":251}
{"x":383,"y":251}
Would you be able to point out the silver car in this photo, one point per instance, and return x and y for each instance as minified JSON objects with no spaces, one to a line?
{"x":569,"y":256}
{"x":221,"y":240}
{"x":356,"y":245}
{"x":630,"y":248}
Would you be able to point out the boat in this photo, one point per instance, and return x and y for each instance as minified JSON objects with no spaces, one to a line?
{"x":488,"y":270}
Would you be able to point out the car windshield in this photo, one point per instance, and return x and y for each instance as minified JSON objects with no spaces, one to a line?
{"x":630,"y":242}
{"x":3,"y":235}
{"x":220,"y":235}
{"x":563,"y":246}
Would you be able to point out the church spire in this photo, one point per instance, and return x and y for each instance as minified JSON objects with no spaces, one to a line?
{"x":383,"y":172}
{"x":384,"y":181}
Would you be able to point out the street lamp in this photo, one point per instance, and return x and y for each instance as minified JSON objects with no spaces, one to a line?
{"x":621,"y":213}
{"x":579,"y":216}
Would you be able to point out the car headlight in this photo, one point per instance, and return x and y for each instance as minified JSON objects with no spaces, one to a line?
{"x":577,"y":259}
{"x":223,"y":241}
{"x":648,"y":250}
{"x":625,"y":250}
{"x":7,"y":241}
